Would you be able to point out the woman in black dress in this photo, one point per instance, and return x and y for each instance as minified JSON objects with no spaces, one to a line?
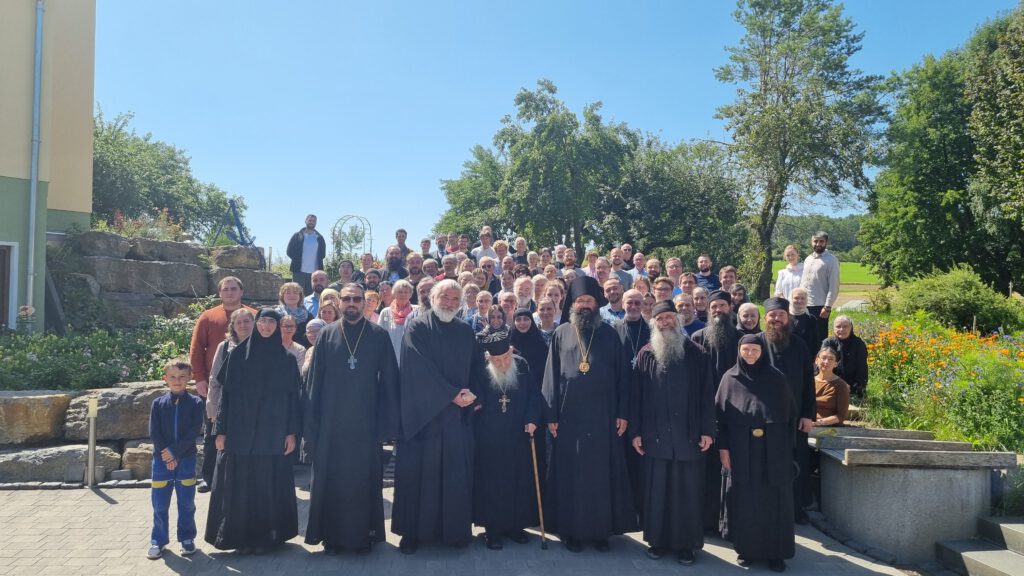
{"x":252,"y":506}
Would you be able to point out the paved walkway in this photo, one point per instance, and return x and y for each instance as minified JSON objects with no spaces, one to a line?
{"x":98,"y":532}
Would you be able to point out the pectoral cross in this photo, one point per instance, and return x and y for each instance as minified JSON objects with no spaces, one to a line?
{"x":505,"y":401}
{"x":351,"y":362}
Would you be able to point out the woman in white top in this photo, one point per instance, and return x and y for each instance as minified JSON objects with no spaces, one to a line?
{"x":789,"y":277}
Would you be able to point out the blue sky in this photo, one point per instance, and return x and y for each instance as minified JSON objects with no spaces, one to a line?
{"x":363,"y":108}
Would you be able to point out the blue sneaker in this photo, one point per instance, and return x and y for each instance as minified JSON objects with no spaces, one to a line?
{"x":188,"y":548}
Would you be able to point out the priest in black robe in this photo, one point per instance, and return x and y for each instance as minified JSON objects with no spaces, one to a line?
{"x":508,"y":412}
{"x":252,"y":504}
{"x":756,"y":421}
{"x":672,"y":425}
{"x":442,"y":366}
{"x":635,"y":334}
{"x":586,"y":393}
{"x":719,"y":340}
{"x":351,"y":409}
{"x":791,"y":357}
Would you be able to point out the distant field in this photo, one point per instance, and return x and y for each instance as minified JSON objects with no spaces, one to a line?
{"x":849,"y":273}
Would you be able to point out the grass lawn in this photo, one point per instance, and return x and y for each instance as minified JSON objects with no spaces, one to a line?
{"x":849,"y":273}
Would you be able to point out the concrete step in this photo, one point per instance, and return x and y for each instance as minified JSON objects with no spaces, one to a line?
{"x":979,"y":558}
{"x":1006,"y":531}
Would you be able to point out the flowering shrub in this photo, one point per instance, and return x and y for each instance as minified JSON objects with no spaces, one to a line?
{"x":160,"y":226}
{"x":960,"y":385}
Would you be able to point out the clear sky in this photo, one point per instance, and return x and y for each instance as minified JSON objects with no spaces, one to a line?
{"x":362,"y":108}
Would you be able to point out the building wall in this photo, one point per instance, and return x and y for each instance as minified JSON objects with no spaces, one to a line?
{"x":64,"y":194}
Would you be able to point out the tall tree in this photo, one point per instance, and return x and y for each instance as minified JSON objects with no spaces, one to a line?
{"x":804,"y":122}
{"x":135,"y":174}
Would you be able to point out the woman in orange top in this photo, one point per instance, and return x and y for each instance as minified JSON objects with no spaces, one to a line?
{"x":831,"y":392}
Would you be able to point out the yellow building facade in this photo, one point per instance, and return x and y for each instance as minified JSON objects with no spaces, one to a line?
{"x":64,"y":190}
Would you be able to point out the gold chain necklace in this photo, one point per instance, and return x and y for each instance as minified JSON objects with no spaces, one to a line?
{"x":352,"y":351}
{"x":584,"y":352}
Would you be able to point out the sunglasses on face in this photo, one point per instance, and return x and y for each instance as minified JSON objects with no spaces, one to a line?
{"x":356,"y":299}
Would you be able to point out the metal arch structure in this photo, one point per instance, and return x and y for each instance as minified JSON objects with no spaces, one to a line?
{"x":360,"y":223}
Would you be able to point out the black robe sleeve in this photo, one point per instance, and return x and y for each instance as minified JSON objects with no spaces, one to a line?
{"x":313,"y":408}
{"x":388,"y":398}
{"x":425,"y":391}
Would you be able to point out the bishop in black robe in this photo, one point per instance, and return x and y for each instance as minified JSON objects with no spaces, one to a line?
{"x":719,"y":339}
{"x":672,"y":423}
{"x":586,"y":392}
{"x":509,"y":408}
{"x":441,"y":364}
{"x":252,"y":504}
{"x":352,"y":408}
{"x":756,"y":421}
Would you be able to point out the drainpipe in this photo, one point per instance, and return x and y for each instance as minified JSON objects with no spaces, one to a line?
{"x":34,"y":171}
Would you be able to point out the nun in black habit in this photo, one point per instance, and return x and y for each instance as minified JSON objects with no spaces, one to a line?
{"x":508,"y":411}
{"x":252,"y":506}
{"x":531,"y":346}
{"x":756,"y":425}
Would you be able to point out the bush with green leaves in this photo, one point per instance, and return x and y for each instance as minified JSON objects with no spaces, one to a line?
{"x":960,"y":299}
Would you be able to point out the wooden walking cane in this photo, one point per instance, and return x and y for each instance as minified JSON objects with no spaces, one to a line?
{"x":536,"y":483}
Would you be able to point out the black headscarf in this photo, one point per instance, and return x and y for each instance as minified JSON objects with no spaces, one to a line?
{"x":257,"y":343}
{"x":530,"y":345}
{"x":582,"y":286}
{"x":751,"y":370}
{"x":758,"y":389}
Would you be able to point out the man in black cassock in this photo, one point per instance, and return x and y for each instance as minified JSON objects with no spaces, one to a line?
{"x":586,"y":392}
{"x":352,"y":408}
{"x":790,"y":356}
{"x":441,"y":366}
{"x":507,"y":413}
{"x":635,"y":334}
{"x":719,"y":340}
{"x":672,"y":425}
{"x":756,"y":422}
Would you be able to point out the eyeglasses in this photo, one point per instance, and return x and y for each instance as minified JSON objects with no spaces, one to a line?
{"x":356,"y":299}
{"x":488,"y":266}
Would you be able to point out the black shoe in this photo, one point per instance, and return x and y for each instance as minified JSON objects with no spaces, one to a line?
{"x":408,"y":545}
{"x":492,"y":541}
{"x":655,"y":553}
{"x":202,"y":487}
{"x":518,"y":536}
{"x":601,"y":545}
{"x":573,"y":545}
{"x":743,"y":562}
{"x":777,"y":565}
{"x":686,"y":557}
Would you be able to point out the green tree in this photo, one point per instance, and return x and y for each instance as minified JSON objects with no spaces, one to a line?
{"x":797,"y":229}
{"x":804,"y":122}
{"x":137,"y":175}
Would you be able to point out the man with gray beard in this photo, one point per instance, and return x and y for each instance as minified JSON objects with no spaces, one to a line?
{"x":504,"y":496}
{"x":720,"y":340}
{"x":672,"y":424}
{"x":586,"y":392}
{"x":441,"y":366}
{"x":790,"y":356}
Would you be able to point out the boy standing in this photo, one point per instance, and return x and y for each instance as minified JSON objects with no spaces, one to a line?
{"x":175,"y":421}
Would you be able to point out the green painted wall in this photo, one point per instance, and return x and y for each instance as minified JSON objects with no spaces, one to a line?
{"x":64,"y":220}
{"x":14,"y":197}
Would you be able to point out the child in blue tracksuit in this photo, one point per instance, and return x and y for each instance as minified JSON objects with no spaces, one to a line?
{"x":174,"y":424}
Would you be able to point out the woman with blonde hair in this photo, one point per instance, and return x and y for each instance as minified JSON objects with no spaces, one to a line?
{"x":393,"y":318}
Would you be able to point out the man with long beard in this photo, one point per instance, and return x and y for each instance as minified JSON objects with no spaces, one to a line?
{"x":504,"y":496}
{"x":720,"y":340}
{"x":586,"y":391}
{"x":352,"y":408}
{"x":672,"y":425}
{"x":790,"y":356}
{"x":441,"y":363}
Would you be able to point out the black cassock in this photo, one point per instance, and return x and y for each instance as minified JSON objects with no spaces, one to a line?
{"x":504,"y":496}
{"x":588,"y":495}
{"x":671,"y":408}
{"x":805,"y":327}
{"x":253,"y":500}
{"x":720,"y":360}
{"x":351,"y":409}
{"x":635,"y":334}
{"x":796,"y":364}
{"x":756,"y":422}
{"x":434,"y":464}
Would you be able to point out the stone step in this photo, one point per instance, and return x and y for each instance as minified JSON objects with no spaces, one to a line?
{"x":1007,"y":532}
{"x":979,"y":558}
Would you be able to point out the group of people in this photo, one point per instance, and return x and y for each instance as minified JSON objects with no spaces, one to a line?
{"x":521,"y":390}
